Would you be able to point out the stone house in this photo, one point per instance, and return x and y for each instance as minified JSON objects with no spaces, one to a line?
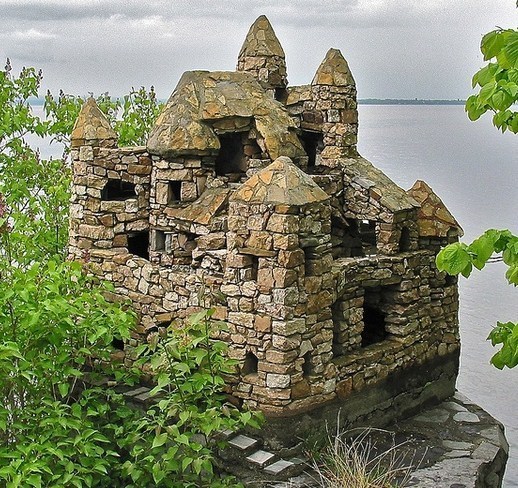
{"x":253,"y":189}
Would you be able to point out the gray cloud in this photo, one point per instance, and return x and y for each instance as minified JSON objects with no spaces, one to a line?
{"x":396,"y":48}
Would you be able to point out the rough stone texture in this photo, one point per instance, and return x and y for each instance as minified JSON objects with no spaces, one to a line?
{"x":207,"y":104}
{"x":263,"y":56}
{"x":92,"y":126}
{"x":333,"y":71}
{"x":433,"y":218}
{"x":281,"y":182}
{"x":316,"y":263}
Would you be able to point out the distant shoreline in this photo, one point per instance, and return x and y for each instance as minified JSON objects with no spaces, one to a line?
{"x":361,"y":101}
{"x":413,"y":101}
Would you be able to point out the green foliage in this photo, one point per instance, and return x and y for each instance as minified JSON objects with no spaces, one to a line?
{"x":498,"y":80}
{"x":172,"y":444}
{"x":131,"y":116}
{"x":57,"y":330}
{"x":493,"y":245}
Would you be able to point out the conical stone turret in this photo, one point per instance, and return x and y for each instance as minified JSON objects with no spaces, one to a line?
{"x":263,"y":56}
{"x":333,"y":70}
{"x":92,"y":127}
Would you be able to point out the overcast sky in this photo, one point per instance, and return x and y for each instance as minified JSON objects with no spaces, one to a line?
{"x":395,"y":48}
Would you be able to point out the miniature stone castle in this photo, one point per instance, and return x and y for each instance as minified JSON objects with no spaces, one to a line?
{"x":254,"y":190}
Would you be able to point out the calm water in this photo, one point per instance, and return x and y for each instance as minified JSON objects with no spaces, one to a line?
{"x":474,"y":169}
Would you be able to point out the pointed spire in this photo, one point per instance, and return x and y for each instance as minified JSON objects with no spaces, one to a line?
{"x":333,"y":70}
{"x":263,"y":56}
{"x":91,"y":126}
{"x":261,"y":40}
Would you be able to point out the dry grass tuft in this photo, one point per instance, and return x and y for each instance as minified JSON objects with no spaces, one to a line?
{"x":352,"y":460}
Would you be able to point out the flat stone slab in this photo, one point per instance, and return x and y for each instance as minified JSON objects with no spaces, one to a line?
{"x":242,"y":442}
{"x":466,"y":417}
{"x":136,"y":391}
{"x":278,"y":467}
{"x":260,"y":457}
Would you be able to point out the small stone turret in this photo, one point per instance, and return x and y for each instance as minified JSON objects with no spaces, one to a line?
{"x":263,"y":56}
{"x":333,"y":70}
{"x":92,"y":127}
{"x":334,"y":82}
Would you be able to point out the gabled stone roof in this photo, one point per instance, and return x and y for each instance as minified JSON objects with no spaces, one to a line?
{"x":261,"y":40}
{"x":91,"y":125}
{"x":333,"y":70}
{"x":380,"y":186}
{"x":433,"y":218}
{"x":281,"y":182}
{"x":203,"y":98}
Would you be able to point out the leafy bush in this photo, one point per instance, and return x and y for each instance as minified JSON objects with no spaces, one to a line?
{"x":57,"y":330}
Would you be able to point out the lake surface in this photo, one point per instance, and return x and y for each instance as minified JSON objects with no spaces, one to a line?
{"x":474,"y":169}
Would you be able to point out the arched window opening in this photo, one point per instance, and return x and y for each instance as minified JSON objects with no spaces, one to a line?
{"x":250,"y":365}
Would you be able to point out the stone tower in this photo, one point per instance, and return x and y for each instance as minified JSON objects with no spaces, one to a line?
{"x":263,"y":56}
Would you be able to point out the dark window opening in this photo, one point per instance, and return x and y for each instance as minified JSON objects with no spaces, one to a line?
{"x":255,"y":268}
{"x":281,"y":95}
{"x":118,"y":190}
{"x":307,"y":261}
{"x":175,"y":192}
{"x":250,"y":365}
{"x":118,"y":344}
{"x":367,"y":229}
{"x":404,"y":240}
{"x":307,"y":368}
{"x":231,"y":157}
{"x":313,"y":143}
{"x":138,"y":243}
{"x":374,"y":330}
{"x":345,"y":238}
{"x":160,"y":238}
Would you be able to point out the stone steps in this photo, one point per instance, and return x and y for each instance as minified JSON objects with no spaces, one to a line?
{"x":255,"y":465}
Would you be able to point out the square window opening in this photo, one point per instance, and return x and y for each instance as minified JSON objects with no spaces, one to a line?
{"x":118,"y":190}
{"x":138,"y":244}
{"x":175,"y":192}
{"x":231,"y":158}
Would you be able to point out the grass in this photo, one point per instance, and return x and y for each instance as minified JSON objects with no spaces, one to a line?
{"x":353,"y":460}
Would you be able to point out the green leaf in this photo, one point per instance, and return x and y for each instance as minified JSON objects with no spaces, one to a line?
{"x":454,"y":259}
{"x":159,"y":440}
